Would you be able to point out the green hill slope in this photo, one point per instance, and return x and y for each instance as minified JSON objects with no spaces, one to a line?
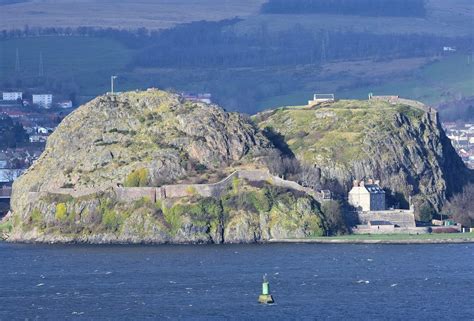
{"x":402,"y":146}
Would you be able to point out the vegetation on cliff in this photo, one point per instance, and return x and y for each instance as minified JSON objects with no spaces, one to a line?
{"x":245,"y":213}
{"x":402,"y":146}
{"x":154,"y":138}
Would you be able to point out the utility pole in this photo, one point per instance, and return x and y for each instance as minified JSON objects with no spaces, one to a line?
{"x":323,"y":52}
{"x":41,"y":67}
{"x":17,"y":61}
{"x":112,"y":78}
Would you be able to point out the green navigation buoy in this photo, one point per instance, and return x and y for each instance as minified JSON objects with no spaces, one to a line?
{"x":265,"y":297}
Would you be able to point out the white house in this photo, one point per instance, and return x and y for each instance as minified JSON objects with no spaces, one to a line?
{"x":321,"y":98}
{"x":12,"y":95}
{"x":65,"y":104}
{"x":447,"y":48}
{"x":367,"y":196}
{"x":201,"y":97}
{"x":44,"y":100}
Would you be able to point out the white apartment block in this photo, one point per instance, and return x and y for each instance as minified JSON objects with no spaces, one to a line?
{"x":45,"y":100}
{"x":12,"y":95}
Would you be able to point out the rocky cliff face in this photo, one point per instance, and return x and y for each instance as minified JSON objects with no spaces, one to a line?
{"x":402,"y":146}
{"x":109,"y":138}
{"x":155,"y":138}
{"x":148,"y":139}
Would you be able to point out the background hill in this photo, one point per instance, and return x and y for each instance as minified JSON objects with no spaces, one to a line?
{"x":273,"y":58}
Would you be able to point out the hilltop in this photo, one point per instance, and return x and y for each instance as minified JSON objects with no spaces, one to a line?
{"x":399,"y":142}
{"x":152,"y":167}
{"x":103,"y":174}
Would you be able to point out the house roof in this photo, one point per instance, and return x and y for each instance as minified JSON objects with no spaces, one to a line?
{"x":374,"y":189}
{"x":370,"y":188}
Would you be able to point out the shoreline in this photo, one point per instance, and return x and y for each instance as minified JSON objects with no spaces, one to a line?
{"x":326,"y":240}
{"x":375,"y":241}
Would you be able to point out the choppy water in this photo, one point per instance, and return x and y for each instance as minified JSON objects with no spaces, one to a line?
{"x":308,"y":281}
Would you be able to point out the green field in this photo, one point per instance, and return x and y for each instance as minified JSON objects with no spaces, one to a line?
{"x":446,"y":79}
{"x":123,"y":14}
{"x":402,"y":237}
{"x":86,"y":62}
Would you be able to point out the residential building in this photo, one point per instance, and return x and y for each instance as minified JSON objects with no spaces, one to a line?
{"x":64,"y":104}
{"x":202,"y":97}
{"x":43,"y":100}
{"x":321,"y":98}
{"x":367,"y":196}
{"x":15,"y":95}
{"x":449,"y":49}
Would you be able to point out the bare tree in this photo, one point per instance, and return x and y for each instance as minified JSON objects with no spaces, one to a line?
{"x":461,"y":206}
{"x":309,"y":176}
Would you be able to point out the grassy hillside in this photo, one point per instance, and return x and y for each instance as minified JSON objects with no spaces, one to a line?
{"x":400,"y":144}
{"x":85,"y":64}
{"x":334,"y":133}
{"x":445,"y":79}
{"x":444,"y":17}
{"x":126,"y":14}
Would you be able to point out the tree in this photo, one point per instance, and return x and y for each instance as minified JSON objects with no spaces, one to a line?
{"x":12,"y":134}
{"x":461,"y":206}
{"x":310,"y":176}
{"x":333,"y":213}
{"x":426,"y":213}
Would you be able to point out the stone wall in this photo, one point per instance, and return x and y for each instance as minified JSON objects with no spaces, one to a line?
{"x":432,"y":113}
{"x":400,"y":218}
{"x":130,"y":194}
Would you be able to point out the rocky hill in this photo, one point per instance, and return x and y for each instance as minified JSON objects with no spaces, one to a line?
{"x":403,"y":146}
{"x":149,"y":139}
{"x":144,"y":166}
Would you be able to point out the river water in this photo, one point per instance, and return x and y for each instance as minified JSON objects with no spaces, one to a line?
{"x":222,"y":282}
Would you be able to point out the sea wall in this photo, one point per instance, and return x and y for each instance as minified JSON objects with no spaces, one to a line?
{"x":366,"y":229}
{"x":400,"y":218}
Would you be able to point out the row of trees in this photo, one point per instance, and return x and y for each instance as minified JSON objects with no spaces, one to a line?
{"x":12,"y":133}
{"x":392,"y":8}
{"x":216,"y":44}
{"x":458,"y":110}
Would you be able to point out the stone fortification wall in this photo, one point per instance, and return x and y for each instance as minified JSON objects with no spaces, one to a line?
{"x":293,"y":185}
{"x":77,"y":192}
{"x":400,"y":218}
{"x":432,"y":113}
{"x":204,"y":190}
{"x":130,"y":194}
{"x":256,"y":175}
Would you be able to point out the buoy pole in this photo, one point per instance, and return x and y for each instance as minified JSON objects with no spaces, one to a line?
{"x":265,"y":297}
